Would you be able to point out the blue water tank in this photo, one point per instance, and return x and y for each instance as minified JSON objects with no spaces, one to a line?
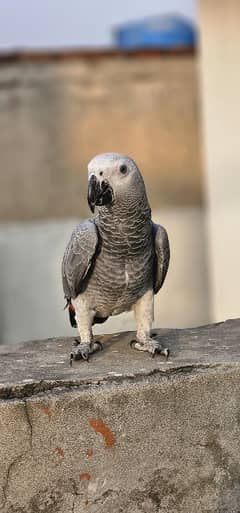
{"x":166,"y":31}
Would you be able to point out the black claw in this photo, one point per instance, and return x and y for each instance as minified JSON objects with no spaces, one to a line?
{"x":77,"y":355}
{"x":76,"y":342}
{"x":84,"y":355}
{"x":160,"y":351}
{"x":99,"y":344}
{"x":132,"y":343}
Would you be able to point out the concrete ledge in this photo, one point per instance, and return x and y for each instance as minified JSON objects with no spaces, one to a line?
{"x":124,"y":433}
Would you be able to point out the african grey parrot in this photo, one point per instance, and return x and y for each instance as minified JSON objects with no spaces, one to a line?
{"x":117,"y":260}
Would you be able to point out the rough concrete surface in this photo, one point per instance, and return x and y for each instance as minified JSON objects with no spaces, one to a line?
{"x":124,"y":433}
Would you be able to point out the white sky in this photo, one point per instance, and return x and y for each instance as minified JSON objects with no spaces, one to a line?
{"x":54,"y":23}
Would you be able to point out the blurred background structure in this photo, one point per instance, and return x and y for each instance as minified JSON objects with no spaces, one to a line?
{"x":118,"y":79}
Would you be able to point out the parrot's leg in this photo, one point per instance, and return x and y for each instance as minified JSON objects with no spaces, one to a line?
{"x":144,"y":318}
{"x":84,"y":318}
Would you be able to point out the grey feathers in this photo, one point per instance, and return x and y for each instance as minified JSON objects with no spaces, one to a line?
{"x":114,"y":259}
{"x":78,"y":257}
{"x":162,"y":256}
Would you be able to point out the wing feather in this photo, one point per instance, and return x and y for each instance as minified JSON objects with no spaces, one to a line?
{"x":162,"y":256}
{"x":78,"y":257}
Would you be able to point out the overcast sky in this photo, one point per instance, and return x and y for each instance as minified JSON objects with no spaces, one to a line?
{"x":54,"y":23}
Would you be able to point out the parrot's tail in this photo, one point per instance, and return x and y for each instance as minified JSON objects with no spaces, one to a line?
{"x":71,"y":313}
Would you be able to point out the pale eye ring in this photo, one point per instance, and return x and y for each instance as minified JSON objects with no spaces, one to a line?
{"x":123,"y":169}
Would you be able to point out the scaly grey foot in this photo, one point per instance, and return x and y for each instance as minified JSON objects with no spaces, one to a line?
{"x":152,"y":346}
{"x":84,"y":350}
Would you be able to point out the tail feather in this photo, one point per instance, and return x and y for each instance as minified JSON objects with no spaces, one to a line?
{"x":71,"y":313}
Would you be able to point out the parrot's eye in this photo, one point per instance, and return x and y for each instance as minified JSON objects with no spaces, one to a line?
{"x":123,"y":169}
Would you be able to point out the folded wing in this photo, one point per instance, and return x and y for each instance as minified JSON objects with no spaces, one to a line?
{"x":162,"y":256}
{"x":79,"y":258}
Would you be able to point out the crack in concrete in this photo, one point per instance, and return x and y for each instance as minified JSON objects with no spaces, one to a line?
{"x":29,"y":422}
{"x":33,"y":389}
{"x":18,"y":458}
{"x":105,"y":495}
{"x":8,"y":476}
{"x":75,"y":493}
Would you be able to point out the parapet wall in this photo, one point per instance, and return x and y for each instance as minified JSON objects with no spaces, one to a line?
{"x":124,"y":433}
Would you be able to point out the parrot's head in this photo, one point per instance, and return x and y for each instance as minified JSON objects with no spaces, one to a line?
{"x":112,"y":178}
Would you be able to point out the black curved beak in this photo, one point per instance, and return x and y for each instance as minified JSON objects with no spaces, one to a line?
{"x":99,"y":193}
{"x":93,"y":192}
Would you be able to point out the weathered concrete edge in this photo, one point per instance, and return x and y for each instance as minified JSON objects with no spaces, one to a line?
{"x":38,"y":367}
{"x":29,"y":390}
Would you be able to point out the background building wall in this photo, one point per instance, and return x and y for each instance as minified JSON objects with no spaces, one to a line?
{"x":56,"y":116}
{"x":220,"y":76}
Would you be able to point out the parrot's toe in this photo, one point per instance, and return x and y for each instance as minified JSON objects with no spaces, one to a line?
{"x":76,"y":342}
{"x":83,"y":351}
{"x":151,"y":346}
